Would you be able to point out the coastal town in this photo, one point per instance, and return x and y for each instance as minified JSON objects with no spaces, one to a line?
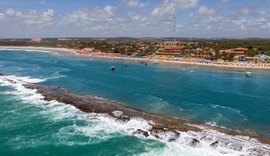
{"x":224,"y":53}
{"x":135,"y":77}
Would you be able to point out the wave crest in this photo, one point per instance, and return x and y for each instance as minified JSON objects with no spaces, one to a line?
{"x":206,"y":142}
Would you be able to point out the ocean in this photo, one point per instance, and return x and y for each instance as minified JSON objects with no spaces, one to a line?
{"x":30,"y":126}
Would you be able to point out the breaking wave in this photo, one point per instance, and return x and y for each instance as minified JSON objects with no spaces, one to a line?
{"x":30,"y":50}
{"x":101,"y":126}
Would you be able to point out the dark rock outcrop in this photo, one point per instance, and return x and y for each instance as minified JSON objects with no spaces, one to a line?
{"x":93,"y":105}
{"x":141,"y":132}
{"x":194,"y":142}
{"x":214,"y":144}
{"x":159,"y":124}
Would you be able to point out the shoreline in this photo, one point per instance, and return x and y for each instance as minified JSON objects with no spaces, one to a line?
{"x":62,"y":50}
{"x":76,"y":53}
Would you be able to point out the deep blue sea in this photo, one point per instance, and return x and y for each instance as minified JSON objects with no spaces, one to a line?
{"x":220,"y":97}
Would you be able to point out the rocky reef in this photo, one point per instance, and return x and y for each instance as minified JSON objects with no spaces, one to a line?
{"x":171,"y":129}
{"x":162,"y":127}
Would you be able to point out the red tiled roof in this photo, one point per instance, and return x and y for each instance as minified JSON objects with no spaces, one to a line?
{"x":173,"y":47}
{"x":240,"y":49}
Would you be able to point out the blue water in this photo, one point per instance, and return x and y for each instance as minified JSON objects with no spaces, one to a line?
{"x":226,"y":98}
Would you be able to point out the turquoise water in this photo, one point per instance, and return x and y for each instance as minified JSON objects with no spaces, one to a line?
{"x":225,"y":98}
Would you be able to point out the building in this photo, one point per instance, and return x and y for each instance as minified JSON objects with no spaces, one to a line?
{"x":236,"y":51}
{"x":141,"y":54}
{"x":171,"y":50}
{"x":240,"y":50}
{"x":36,"y":40}
{"x":88,"y":50}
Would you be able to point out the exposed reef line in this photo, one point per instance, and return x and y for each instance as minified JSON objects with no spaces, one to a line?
{"x":195,"y":134}
{"x":90,"y":104}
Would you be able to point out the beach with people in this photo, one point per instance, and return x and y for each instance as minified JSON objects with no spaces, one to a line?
{"x":150,"y":59}
{"x":135,"y":78}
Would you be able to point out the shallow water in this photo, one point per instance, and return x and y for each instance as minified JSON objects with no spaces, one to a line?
{"x":224,"y":98}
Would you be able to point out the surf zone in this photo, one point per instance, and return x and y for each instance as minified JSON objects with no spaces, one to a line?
{"x":172,"y":130}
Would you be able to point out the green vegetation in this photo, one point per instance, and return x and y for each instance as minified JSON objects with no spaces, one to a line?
{"x":129,"y":46}
{"x":257,"y":46}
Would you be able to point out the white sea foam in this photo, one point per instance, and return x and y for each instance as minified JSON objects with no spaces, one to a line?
{"x":56,"y":76}
{"x":29,"y":50}
{"x":158,"y":104}
{"x":228,"y":145}
{"x":102,"y":126}
{"x":223,"y":107}
{"x":236,"y":111}
{"x":211,"y":123}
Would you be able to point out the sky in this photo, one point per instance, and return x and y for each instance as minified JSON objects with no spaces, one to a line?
{"x":134,"y":18}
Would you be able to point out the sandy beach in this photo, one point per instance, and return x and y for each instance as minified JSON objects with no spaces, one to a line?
{"x":64,"y":50}
{"x":78,"y":53}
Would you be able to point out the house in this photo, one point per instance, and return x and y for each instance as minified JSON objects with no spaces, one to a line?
{"x":141,"y":54}
{"x":236,"y":51}
{"x":171,"y":50}
{"x":240,"y":50}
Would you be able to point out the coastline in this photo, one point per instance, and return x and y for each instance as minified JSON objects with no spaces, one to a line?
{"x":198,"y":139}
{"x":62,"y":50}
{"x":77,"y":53}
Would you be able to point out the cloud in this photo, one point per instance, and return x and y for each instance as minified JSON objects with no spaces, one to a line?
{"x":34,"y":17}
{"x":2,"y":16}
{"x":136,"y":18}
{"x":164,"y":11}
{"x":109,"y":10}
{"x":204,"y":10}
{"x":31,"y":17}
{"x":225,"y":1}
{"x":94,"y":16}
{"x":184,"y":4}
{"x":134,"y":3}
{"x":169,"y":7}
{"x":95,"y":21}
{"x":31,"y":23}
{"x":251,"y":10}
{"x":213,"y":19}
{"x":251,"y":24}
{"x":245,"y":11}
{"x":155,"y":20}
{"x":10,"y":12}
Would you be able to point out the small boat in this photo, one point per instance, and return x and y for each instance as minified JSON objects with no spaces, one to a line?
{"x":112,"y":68}
{"x":248,"y":74}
